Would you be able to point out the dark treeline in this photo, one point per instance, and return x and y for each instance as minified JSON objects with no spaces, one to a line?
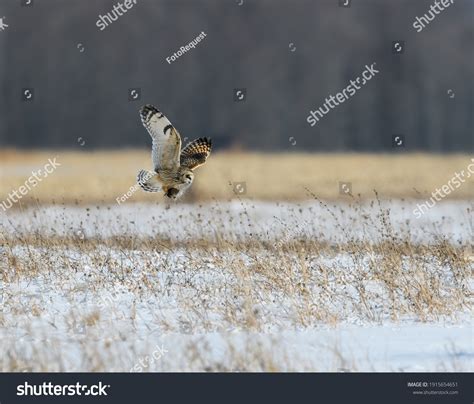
{"x":289,"y":56}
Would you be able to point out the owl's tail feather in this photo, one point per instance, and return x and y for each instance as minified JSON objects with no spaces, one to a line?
{"x":149,"y":181}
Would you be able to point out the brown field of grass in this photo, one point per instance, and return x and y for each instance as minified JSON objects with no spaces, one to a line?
{"x":110,"y":299}
{"x":101,"y":177}
{"x":98,"y":288}
{"x":292,"y":269}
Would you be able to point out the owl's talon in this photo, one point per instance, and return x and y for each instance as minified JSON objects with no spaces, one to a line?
{"x":172,"y":193}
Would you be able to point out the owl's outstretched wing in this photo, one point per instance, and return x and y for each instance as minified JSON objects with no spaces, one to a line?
{"x":166,"y":139}
{"x":196,"y":153}
{"x":149,"y":182}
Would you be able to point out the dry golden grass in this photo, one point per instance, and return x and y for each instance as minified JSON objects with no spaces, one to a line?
{"x":425,"y":281}
{"x":97,"y":295}
{"x":95,"y":177}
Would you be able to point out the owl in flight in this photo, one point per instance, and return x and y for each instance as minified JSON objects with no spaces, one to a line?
{"x":173,"y":166}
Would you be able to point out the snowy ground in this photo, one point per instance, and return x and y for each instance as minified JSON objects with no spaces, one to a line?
{"x":264,"y":220}
{"x":228,"y":287}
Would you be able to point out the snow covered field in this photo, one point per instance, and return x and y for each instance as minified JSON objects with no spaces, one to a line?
{"x":237,"y":286}
{"x":452,"y":221}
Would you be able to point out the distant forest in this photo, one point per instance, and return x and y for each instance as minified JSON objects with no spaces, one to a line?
{"x":288,"y":56}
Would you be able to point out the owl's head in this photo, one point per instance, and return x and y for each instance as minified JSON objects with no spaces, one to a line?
{"x":187,"y":176}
